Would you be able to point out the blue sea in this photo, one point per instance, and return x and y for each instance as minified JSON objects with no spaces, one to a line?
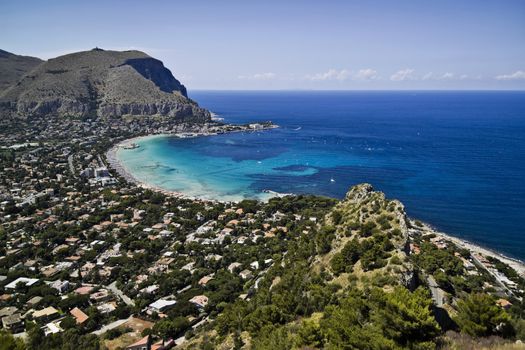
{"x":455,"y":159}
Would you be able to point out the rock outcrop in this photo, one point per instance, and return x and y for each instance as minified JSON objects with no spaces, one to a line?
{"x":101,"y":83}
{"x":363,"y":215}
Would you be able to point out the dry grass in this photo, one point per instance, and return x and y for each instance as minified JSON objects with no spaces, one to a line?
{"x":457,"y":341}
{"x":137,"y":325}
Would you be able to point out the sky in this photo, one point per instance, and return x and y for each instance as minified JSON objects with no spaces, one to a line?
{"x":294,"y":44}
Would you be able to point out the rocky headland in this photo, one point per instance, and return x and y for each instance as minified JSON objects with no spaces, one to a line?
{"x":99,"y":83}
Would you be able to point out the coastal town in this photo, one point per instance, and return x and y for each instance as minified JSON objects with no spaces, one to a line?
{"x":84,"y":250}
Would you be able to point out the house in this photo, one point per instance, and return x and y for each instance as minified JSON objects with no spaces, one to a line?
{"x":52,"y":328}
{"x":203,"y":281}
{"x":414,"y":249}
{"x":84,"y":290}
{"x":233,"y":223}
{"x":138,"y":214}
{"x":79,"y":316}
{"x":28,"y":282}
{"x":165,"y":233}
{"x":106,"y":308}
{"x":150,"y":289}
{"x":101,"y":172}
{"x":142,"y":344}
{"x":504,"y":303}
{"x":8,"y":311}
{"x":246,"y":274}
{"x":146,"y":344}
{"x":13,"y":323}
{"x":45,"y":314}
{"x":61,"y":286}
{"x":100,"y":296}
{"x":58,"y":249}
{"x":161,"y":305}
{"x":226,"y":231}
{"x":234,"y":266}
{"x":199,"y":300}
{"x":34,"y":301}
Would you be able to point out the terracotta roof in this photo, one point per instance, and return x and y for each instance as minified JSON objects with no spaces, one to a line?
{"x":504,"y":303}
{"x":84,"y":290}
{"x":79,"y":315}
{"x":143,"y":341}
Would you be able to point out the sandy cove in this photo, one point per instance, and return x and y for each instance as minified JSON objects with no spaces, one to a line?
{"x":115,"y":164}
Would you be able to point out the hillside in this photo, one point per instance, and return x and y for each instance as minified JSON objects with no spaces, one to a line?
{"x":352,"y":282}
{"x":13,"y":67}
{"x":101,"y":83}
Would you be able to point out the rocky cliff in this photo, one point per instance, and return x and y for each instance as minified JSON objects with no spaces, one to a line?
{"x":101,"y":83}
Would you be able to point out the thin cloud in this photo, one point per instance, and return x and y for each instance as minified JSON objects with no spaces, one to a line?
{"x":403,"y":74}
{"x":428,"y":76}
{"x":444,"y":76}
{"x":258,"y":76}
{"x":517,"y":75}
{"x":366,"y":74}
{"x":447,"y":76}
{"x":331,"y":74}
{"x":344,"y":74}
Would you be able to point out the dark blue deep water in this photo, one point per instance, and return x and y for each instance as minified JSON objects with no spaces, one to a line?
{"x":455,"y":159}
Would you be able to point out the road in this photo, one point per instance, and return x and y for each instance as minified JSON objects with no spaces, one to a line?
{"x":70,"y":162}
{"x":111,"y":325}
{"x":127,"y":300}
{"x":438,"y":295}
{"x":498,"y":281}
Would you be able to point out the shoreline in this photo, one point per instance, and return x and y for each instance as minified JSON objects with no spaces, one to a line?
{"x":517,"y":264}
{"x":116,"y":165}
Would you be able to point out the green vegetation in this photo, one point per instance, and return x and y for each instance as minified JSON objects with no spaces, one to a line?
{"x":8,"y":342}
{"x":478,"y":315}
{"x":373,"y":253}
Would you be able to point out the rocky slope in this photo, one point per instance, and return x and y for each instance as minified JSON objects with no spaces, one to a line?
{"x":13,"y":67}
{"x":371,"y":236}
{"x":101,"y":83}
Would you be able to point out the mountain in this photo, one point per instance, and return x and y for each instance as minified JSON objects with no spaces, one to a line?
{"x":100,"y":83}
{"x":13,"y":67}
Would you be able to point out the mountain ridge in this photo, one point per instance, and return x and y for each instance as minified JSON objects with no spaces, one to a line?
{"x":13,"y":67}
{"x":100,"y":83}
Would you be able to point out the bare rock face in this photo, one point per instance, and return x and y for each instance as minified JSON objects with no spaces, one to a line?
{"x":101,"y":83}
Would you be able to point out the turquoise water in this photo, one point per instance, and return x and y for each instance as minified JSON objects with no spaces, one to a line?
{"x":456,"y":159}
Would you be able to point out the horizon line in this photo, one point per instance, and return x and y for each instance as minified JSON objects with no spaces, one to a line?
{"x":359,"y":90}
